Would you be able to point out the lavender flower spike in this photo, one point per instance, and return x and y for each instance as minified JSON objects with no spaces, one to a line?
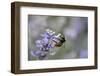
{"x":48,"y":40}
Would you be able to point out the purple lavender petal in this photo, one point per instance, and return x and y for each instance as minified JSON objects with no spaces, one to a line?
{"x":38,"y":43}
{"x":35,"y":53}
{"x":45,"y":40}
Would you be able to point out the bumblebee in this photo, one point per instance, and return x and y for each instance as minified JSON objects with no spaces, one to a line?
{"x":59,"y":40}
